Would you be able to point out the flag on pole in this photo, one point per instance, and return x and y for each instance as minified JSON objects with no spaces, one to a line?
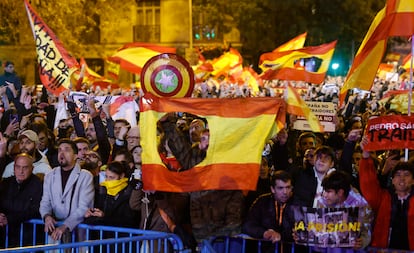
{"x":395,"y":19}
{"x":293,"y":44}
{"x":133,"y":56}
{"x":297,"y":106}
{"x":56,"y":65}
{"x":238,"y":129}
{"x":308,"y":64}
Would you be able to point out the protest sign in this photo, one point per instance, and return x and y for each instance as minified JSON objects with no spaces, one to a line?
{"x":327,"y":227}
{"x":390,"y":132}
{"x":325,"y":111}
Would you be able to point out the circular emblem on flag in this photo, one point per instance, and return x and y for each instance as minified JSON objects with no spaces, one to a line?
{"x":167,"y":75}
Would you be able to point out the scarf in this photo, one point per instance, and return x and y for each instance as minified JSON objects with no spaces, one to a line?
{"x":113,"y":187}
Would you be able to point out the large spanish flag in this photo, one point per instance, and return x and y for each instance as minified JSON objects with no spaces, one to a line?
{"x":238,"y":128}
{"x":133,"y":56}
{"x":308,"y":64}
{"x":395,"y":19}
{"x":56,"y":65}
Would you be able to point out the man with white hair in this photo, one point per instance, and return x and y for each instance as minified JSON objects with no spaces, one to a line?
{"x":28,"y":141}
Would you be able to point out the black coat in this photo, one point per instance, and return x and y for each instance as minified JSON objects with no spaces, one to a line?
{"x":305,"y":187}
{"x":262,"y":216}
{"x":116,"y":209}
{"x":20,"y":202}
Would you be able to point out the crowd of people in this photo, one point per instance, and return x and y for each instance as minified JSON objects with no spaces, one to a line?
{"x":91,"y":172}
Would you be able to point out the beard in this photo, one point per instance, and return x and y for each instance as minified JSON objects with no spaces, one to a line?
{"x":89,"y":165}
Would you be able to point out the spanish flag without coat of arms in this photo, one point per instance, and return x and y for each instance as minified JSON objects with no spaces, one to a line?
{"x":238,"y":129}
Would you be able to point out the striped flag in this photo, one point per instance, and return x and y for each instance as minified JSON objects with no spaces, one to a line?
{"x":395,"y":19}
{"x":297,"y":106}
{"x":56,"y":65}
{"x":406,"y":63}
{"x":293,"y":44}
{"x":227,"y":62}
{"x":133,"y":56}
{"x":238,"y":129}
{"x":308,"y":64}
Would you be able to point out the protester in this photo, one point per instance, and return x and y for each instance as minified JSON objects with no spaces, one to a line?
{"x":393,"y":227}
{"x":265,"y":219}
{"x":11,"y":81}
{"x":28,"y":141}
{"x":112,"y":200}
{"x":20,"y":197}
{"x":68,"y":193}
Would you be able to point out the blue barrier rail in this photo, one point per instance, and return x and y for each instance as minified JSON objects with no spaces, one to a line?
{"x":97,"y":238}
{"x":245,"y":244}
{"x":116,"y":239}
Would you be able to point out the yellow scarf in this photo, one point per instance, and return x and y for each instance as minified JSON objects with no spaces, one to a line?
{"x":115,"y":186}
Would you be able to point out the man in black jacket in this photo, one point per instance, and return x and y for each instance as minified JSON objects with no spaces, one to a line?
{"x":265,"y":219}
{"x":20,"y":197}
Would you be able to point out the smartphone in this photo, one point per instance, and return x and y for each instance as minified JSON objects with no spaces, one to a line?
{"x":14,"y":117}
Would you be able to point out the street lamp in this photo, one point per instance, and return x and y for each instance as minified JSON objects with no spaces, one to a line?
{"x":335,"y":66}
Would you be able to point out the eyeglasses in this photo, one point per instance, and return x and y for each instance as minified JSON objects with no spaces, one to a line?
{"x":133,"y":137}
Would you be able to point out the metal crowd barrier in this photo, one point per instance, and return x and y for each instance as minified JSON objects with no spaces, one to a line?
{"x":96,"y":238}
{"x":246,"y":244}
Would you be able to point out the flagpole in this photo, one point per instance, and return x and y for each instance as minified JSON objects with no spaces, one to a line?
{"x":411,"y":86}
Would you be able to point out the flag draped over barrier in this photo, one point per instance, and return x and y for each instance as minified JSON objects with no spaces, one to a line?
{"x":395,"y":19}
{"x":56,"y":65}
{"x":238,"y":129}
{"x":308,"y":64}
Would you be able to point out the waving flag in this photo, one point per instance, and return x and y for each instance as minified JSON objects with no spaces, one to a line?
{"x":87,"y":75}
{"x":56,"y":65}
{"x":238,"y":128}
{"x":308,"y":64}
{"x":395,"y":19}
{"x":297,"y":106}
{"x":293,"y":44}
{"x":132,"y":57}
{"x":406,"y":63}
{"x":227,"y":62}
{"x":251,"y":78}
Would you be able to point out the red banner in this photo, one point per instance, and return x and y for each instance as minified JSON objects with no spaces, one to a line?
{"x":390,"y":132}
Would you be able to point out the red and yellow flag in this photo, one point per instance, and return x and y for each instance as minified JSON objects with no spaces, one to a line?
{"x":238,"y":128}
{"x":293,"y":44}
{"x":251,"y":79}
{"x":133,"y":56}
{"x":308,"y":64}
{"x":87,"y":75}
{"x":395,"y":19}
{"x":406,"y":63}
{"x":227,"y":62}
{"x":56,"y":65}
{"x":297,"y":106}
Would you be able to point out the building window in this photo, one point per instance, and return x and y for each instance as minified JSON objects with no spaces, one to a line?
{"x":147,"y":28}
